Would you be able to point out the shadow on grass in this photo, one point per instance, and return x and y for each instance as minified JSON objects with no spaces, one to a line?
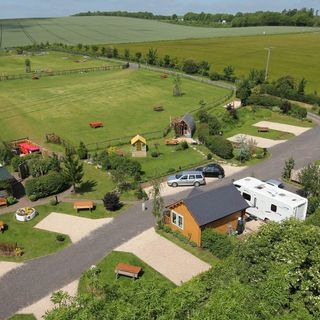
{"x":87,"y":186}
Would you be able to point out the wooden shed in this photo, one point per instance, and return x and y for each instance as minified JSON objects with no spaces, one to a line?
{"x":185,"y":126}
{"x":219,"y":209}
{"x":138,"y":146}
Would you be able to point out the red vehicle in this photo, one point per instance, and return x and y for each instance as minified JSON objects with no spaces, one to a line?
{"x":27,"y":148}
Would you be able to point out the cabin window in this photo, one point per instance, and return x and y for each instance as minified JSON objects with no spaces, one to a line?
{"x":177,"y":220}
{"x":273,"y":208}
{"x":246,"y":196}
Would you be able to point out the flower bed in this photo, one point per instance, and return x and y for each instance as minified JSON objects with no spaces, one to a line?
{"x":25,"y":214}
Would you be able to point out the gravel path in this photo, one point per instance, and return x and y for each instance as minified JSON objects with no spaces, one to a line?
{"x":261,"y":142}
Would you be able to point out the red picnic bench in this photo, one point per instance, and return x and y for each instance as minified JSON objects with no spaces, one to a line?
{"x":96,"y":124}
{"x":127,"y":270}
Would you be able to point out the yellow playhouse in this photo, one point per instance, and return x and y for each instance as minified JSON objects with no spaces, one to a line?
{"x":139,"y":146}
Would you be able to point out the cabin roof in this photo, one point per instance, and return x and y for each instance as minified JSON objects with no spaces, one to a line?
{"x":138,"y":138}
{"x":5,"y":174}
{"x":188,"y":119}
{"x":210,"y":206}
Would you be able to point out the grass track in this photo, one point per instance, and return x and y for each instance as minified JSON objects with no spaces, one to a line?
{"x":294,"y":54}
{"x":99,"y":29}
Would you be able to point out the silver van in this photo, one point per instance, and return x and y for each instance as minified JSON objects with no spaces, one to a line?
{"x":187,"y":178}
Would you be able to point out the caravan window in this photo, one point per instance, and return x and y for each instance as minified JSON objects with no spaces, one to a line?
{"x":273,"y":208}
{"x":246,"y":196}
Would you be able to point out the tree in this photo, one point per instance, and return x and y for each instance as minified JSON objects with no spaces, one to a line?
{"x":138,"y":56}
{"x":229,"y":73}
{"x":111,"y":201}
{"x":177,"y":91}
{"x":94,"y":48}
{"x":73,"y":170}
{"x":204,"y":68}
{"x":158,"y":202}
{"x":309,"y":178}
{"x":103,"y":51}
{"x":242,"y":152}
{"x":82,"y":151}
{"x":214,"y":125}
{"x":288,"y":167}
{"x":256,"y":77}
{"x":127,"y":54}
{"x":79,"y":46}
{"x":301,"y":86}
{"x":190,"y":66}
{"x":115,"y":53}
{"x":27,"y":64}
{"x":166,"y":61}
{"x":152,"y":56}
{"x":244,"y":92}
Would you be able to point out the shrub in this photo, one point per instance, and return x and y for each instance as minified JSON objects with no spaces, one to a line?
{"x":313,"y":204}
{"x":16,"y":161}
{"x":184,"y":145}
{"x":314,"y":219}
{"x":214,"y":125}
{"x":219,"y":244}
{"x":154,"y":154}
{"x":44,"y":186}
{"x":82,"y":151}
{"x":209,"y":156}
{"x":11,"y":200}
{"x":171,"y":170}
{"x":129,"y":166}
{"x":203,"y":132}
{"x":264,"y":100}
{"x":298,"y":112}
{"x":53,"y":202}
{"x":111,"y":201}
{"x":220,"y":146}
{"x":60,"y":237}
{"x":141,"y":194}
{"x":190,"y":66}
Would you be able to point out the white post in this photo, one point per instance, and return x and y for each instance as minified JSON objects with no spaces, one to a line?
{"x":143,"y":206}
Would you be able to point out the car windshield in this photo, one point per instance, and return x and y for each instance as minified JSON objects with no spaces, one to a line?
{"x":178,"y":176}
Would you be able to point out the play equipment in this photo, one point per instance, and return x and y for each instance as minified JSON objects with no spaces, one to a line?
{"x":27,"y":148}
{"x":25,"y":214}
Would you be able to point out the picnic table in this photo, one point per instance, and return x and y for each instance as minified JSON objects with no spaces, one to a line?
{"x":263,"y":129}
{"x":96,"y":124}
{"x":3,"y":202}
{"x":172,"y":142}
{"x":88,"y":205}
{"x":127,"y":270}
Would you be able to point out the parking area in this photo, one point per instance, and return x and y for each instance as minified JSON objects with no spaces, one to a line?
{"x":261,"y":142}
{"x":282,"y":127}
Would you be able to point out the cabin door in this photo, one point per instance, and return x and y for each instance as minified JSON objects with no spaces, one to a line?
{"x":138,"y":146}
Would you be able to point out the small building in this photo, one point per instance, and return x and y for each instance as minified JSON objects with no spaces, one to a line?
{"x":219,"y":209}
{"x":6,"y":182}
{"x":185,"y":126}
{"x":139,"y":146}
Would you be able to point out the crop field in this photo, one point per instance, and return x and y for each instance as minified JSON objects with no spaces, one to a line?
{"x":123,"y":100}
{"x":294,"y":54}
{"x":53,"y":61}
{"x":99,"y":29}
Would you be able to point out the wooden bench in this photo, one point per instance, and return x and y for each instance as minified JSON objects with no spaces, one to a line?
{"x":263,"y":129}
{"x":87,"y":205}
{"x":2,"y":226}
{"x":3,"y":202}
{"x":96,"y":124}
{"x":127,"y":270}
{"x":172,"y":142}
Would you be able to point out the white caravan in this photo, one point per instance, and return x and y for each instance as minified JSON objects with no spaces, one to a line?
{"x":268,"y":202}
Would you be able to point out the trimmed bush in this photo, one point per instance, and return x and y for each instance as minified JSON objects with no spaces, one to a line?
{"x":11,"y":200}
{"x":45,"y":186}
{"x":220,"y":146}
{"x":141,"y":194}
{"x":111,"y":201}
{"x":60,"y":237}
{"x":209,"y":156}
{"x":184,"y":145}
{"x":16,"y":161}
{"x":154,"y":154}
{"x":219,"y":244}
{"x":314,"y":219}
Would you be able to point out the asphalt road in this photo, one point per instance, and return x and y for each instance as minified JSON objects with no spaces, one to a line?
{"x":39,"y":277}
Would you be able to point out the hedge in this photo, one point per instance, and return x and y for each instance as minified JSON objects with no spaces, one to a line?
{"x":219,"y":244}
{"x":220,"y":146}
{"x":45,"y":186}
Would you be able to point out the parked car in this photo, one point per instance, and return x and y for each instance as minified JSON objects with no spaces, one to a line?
{"x":187,"y":178}
{"x":275,"y":183}
{"x":212,"y":170}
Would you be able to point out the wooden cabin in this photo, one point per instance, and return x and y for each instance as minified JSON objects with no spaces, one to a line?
{"x":138,"y":146}
{"x":219,"y":209}
{"x":7,"y":181}
{"x":185,"y":126}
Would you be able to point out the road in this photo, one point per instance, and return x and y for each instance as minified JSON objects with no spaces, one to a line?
{"x":37,"y":278}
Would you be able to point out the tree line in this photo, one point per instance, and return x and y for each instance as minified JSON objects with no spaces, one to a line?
{"x":292,"y":17}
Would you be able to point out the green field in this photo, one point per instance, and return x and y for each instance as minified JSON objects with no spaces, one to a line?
{"x":48,"y":61}
{"x":99,"y":29}
{"x":123,"y":100}
{"x":294,"y":54}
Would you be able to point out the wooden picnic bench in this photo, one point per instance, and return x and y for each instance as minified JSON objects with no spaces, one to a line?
{"x":127,"y":270}
{"x":96,"y":124}
{"x":263,"y":129}
{"x":88,"y":205}
{"x":171,"y":142}
{"x":3,"y":202}
{"x":2,"y":226}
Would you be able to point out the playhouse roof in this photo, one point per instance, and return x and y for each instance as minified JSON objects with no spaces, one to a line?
{"x":138,"y":138}
{"x":188,"y":119}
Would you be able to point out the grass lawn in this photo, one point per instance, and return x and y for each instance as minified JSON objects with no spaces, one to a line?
{"x":48,"y":61}
{"x":23,"y":317}
{"x":249,"y":116}
{"x":123,"y":100}
{"x":202,"y":254}
{"x":107,"y":275}
{"x":294,"y":54}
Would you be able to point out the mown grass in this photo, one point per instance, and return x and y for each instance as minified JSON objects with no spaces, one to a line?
{"x":48,"y":61}
{"x":99,"y":29}
{"x":293,"y":54}
{"x":107,"y":276}
{"x":36,"y":242}
{"x":23,"y":317}
{"x":123,"y":100}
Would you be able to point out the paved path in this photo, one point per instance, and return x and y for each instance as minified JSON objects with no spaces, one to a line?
{"x":37,"y":278}
{"x":167,"y":258}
